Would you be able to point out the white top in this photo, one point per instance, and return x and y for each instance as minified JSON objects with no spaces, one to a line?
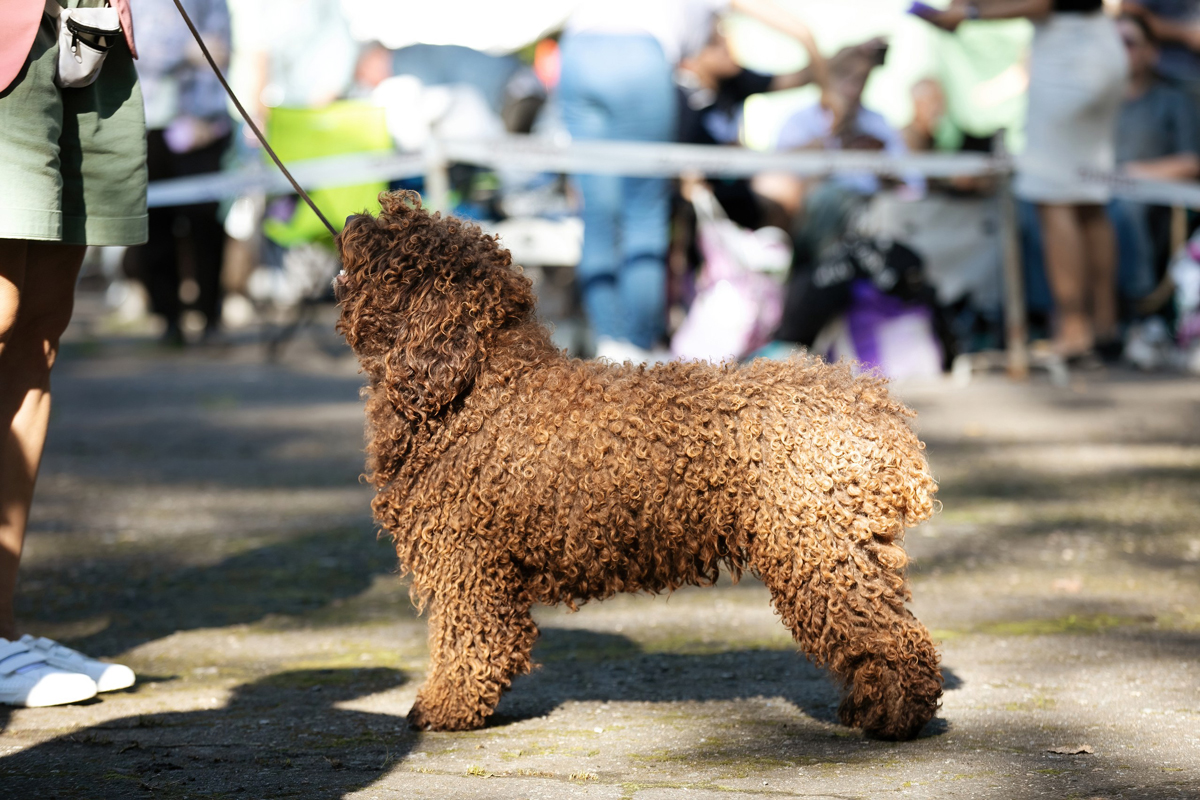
{"x":814,"y":125}
{"x":682,"y":27}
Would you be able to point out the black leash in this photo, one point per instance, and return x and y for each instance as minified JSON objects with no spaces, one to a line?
{"x":237,"y":103}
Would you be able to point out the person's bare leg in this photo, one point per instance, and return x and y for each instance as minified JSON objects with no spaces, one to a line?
{"x":1063,"y":246}
{"x":1100,"y":270}
{"x":37,"y":290}
{"x":12,"y":535}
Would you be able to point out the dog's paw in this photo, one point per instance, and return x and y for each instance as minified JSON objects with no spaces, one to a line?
{"x":422,"y":717}
{"x":879,"y":721}
{"x":418,"y":719}
{"x":890,"y":706}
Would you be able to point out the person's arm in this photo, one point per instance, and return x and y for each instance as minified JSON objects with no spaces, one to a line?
{"x":1178,"y":167}
{"x":220,"y":30}
{"x":771,"y":14}
{"x":258,"y":75}
{"x":1183,"y":160}
{"x":875,"y":48}
{"x":126,"y":17}
{"x":792,"y":80}
{"x":960,"y":12}
{"x":1167,"y":31}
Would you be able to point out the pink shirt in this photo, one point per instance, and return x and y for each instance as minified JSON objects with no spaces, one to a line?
{"x":21,"y":19}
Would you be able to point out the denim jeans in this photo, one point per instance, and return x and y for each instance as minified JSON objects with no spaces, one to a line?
{"x":1135,"y":252}
{"x":619,"y":87}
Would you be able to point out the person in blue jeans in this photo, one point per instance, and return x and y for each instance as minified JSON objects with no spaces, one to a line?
{"x":618,"y":57}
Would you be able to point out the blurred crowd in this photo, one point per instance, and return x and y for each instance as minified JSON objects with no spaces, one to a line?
{"x":889,"y":269}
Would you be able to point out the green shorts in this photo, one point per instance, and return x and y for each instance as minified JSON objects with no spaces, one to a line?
{"x":73,"y":161}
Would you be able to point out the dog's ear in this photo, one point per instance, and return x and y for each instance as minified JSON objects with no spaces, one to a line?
{"x":433,"y":362}
{"x":444,"y":340}
{"x":429,"y":295}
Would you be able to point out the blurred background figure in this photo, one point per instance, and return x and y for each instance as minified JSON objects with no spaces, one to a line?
{"x":712,"y":91}
{"x":1175,"y":24}
{"x":1078,"y":71}
{"x":617,"y":60}
{"x":929,"y":114}
{"x":821,"y":210}
{"x":188,"y":133}
{"x":508,"y":85}
{"x":1157,"y":127}
{"x":1157,"y":138}
{"x":845,"y":123}
{"x":298,"y":53}
{"x":448,"y":90}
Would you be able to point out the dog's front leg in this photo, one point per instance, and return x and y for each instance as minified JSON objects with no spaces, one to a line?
{"x":480,"y":637}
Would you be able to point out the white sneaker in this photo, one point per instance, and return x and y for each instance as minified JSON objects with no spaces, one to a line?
{"x":27,"y":680}
{"x":108,"y":677}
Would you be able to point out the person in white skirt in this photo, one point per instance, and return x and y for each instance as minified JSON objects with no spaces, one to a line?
{"x":1078,"y":72}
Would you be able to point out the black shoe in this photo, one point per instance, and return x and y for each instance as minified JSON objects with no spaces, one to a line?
{"x":172,"y":337}
{"x":214,"y":338}
{"x":1110,"y":351}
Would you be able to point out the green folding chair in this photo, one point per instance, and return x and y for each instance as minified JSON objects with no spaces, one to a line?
{"x":299,"y":134}
{"x":340,"y":128}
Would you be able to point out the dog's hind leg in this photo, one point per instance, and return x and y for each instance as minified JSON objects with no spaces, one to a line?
{"x":480,"y":637}
{"x":844,"y":603}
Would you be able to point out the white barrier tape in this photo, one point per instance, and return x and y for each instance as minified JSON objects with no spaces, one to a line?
{"x":1156,"y":193}
{"x":323,"y":173}
{"x":665,"y":160}
{"x":531,"y":154}
{"x":636,"y":159}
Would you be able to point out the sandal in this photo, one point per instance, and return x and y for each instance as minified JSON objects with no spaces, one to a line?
{"x":107,"y":677}
{"x":26,"y":679}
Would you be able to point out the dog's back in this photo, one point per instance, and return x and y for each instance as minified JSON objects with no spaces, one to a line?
{"x":604,"y":478}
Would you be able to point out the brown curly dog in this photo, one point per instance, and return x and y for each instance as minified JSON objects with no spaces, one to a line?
{"x":509,"y":474}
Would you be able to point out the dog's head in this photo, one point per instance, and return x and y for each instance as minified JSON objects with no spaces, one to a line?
{"x":422,"y":297}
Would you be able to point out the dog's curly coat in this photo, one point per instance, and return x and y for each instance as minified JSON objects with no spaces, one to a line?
{"x":509,"y":475}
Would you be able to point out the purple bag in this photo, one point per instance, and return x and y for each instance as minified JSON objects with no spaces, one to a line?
{"x":739,"y":303}
{"x":885,"y":333}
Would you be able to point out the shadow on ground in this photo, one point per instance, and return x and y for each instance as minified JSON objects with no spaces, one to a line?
{"x":242,"y":426}
{"x":1011,"y":773}
{"x":145,"y":600}
{"x":278,"y":737}
{"x":581,"y":665}
{"x":1026,"y":486}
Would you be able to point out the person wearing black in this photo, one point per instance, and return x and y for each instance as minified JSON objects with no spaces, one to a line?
{"x":188,"y":133}
{"x":713,"y":89}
